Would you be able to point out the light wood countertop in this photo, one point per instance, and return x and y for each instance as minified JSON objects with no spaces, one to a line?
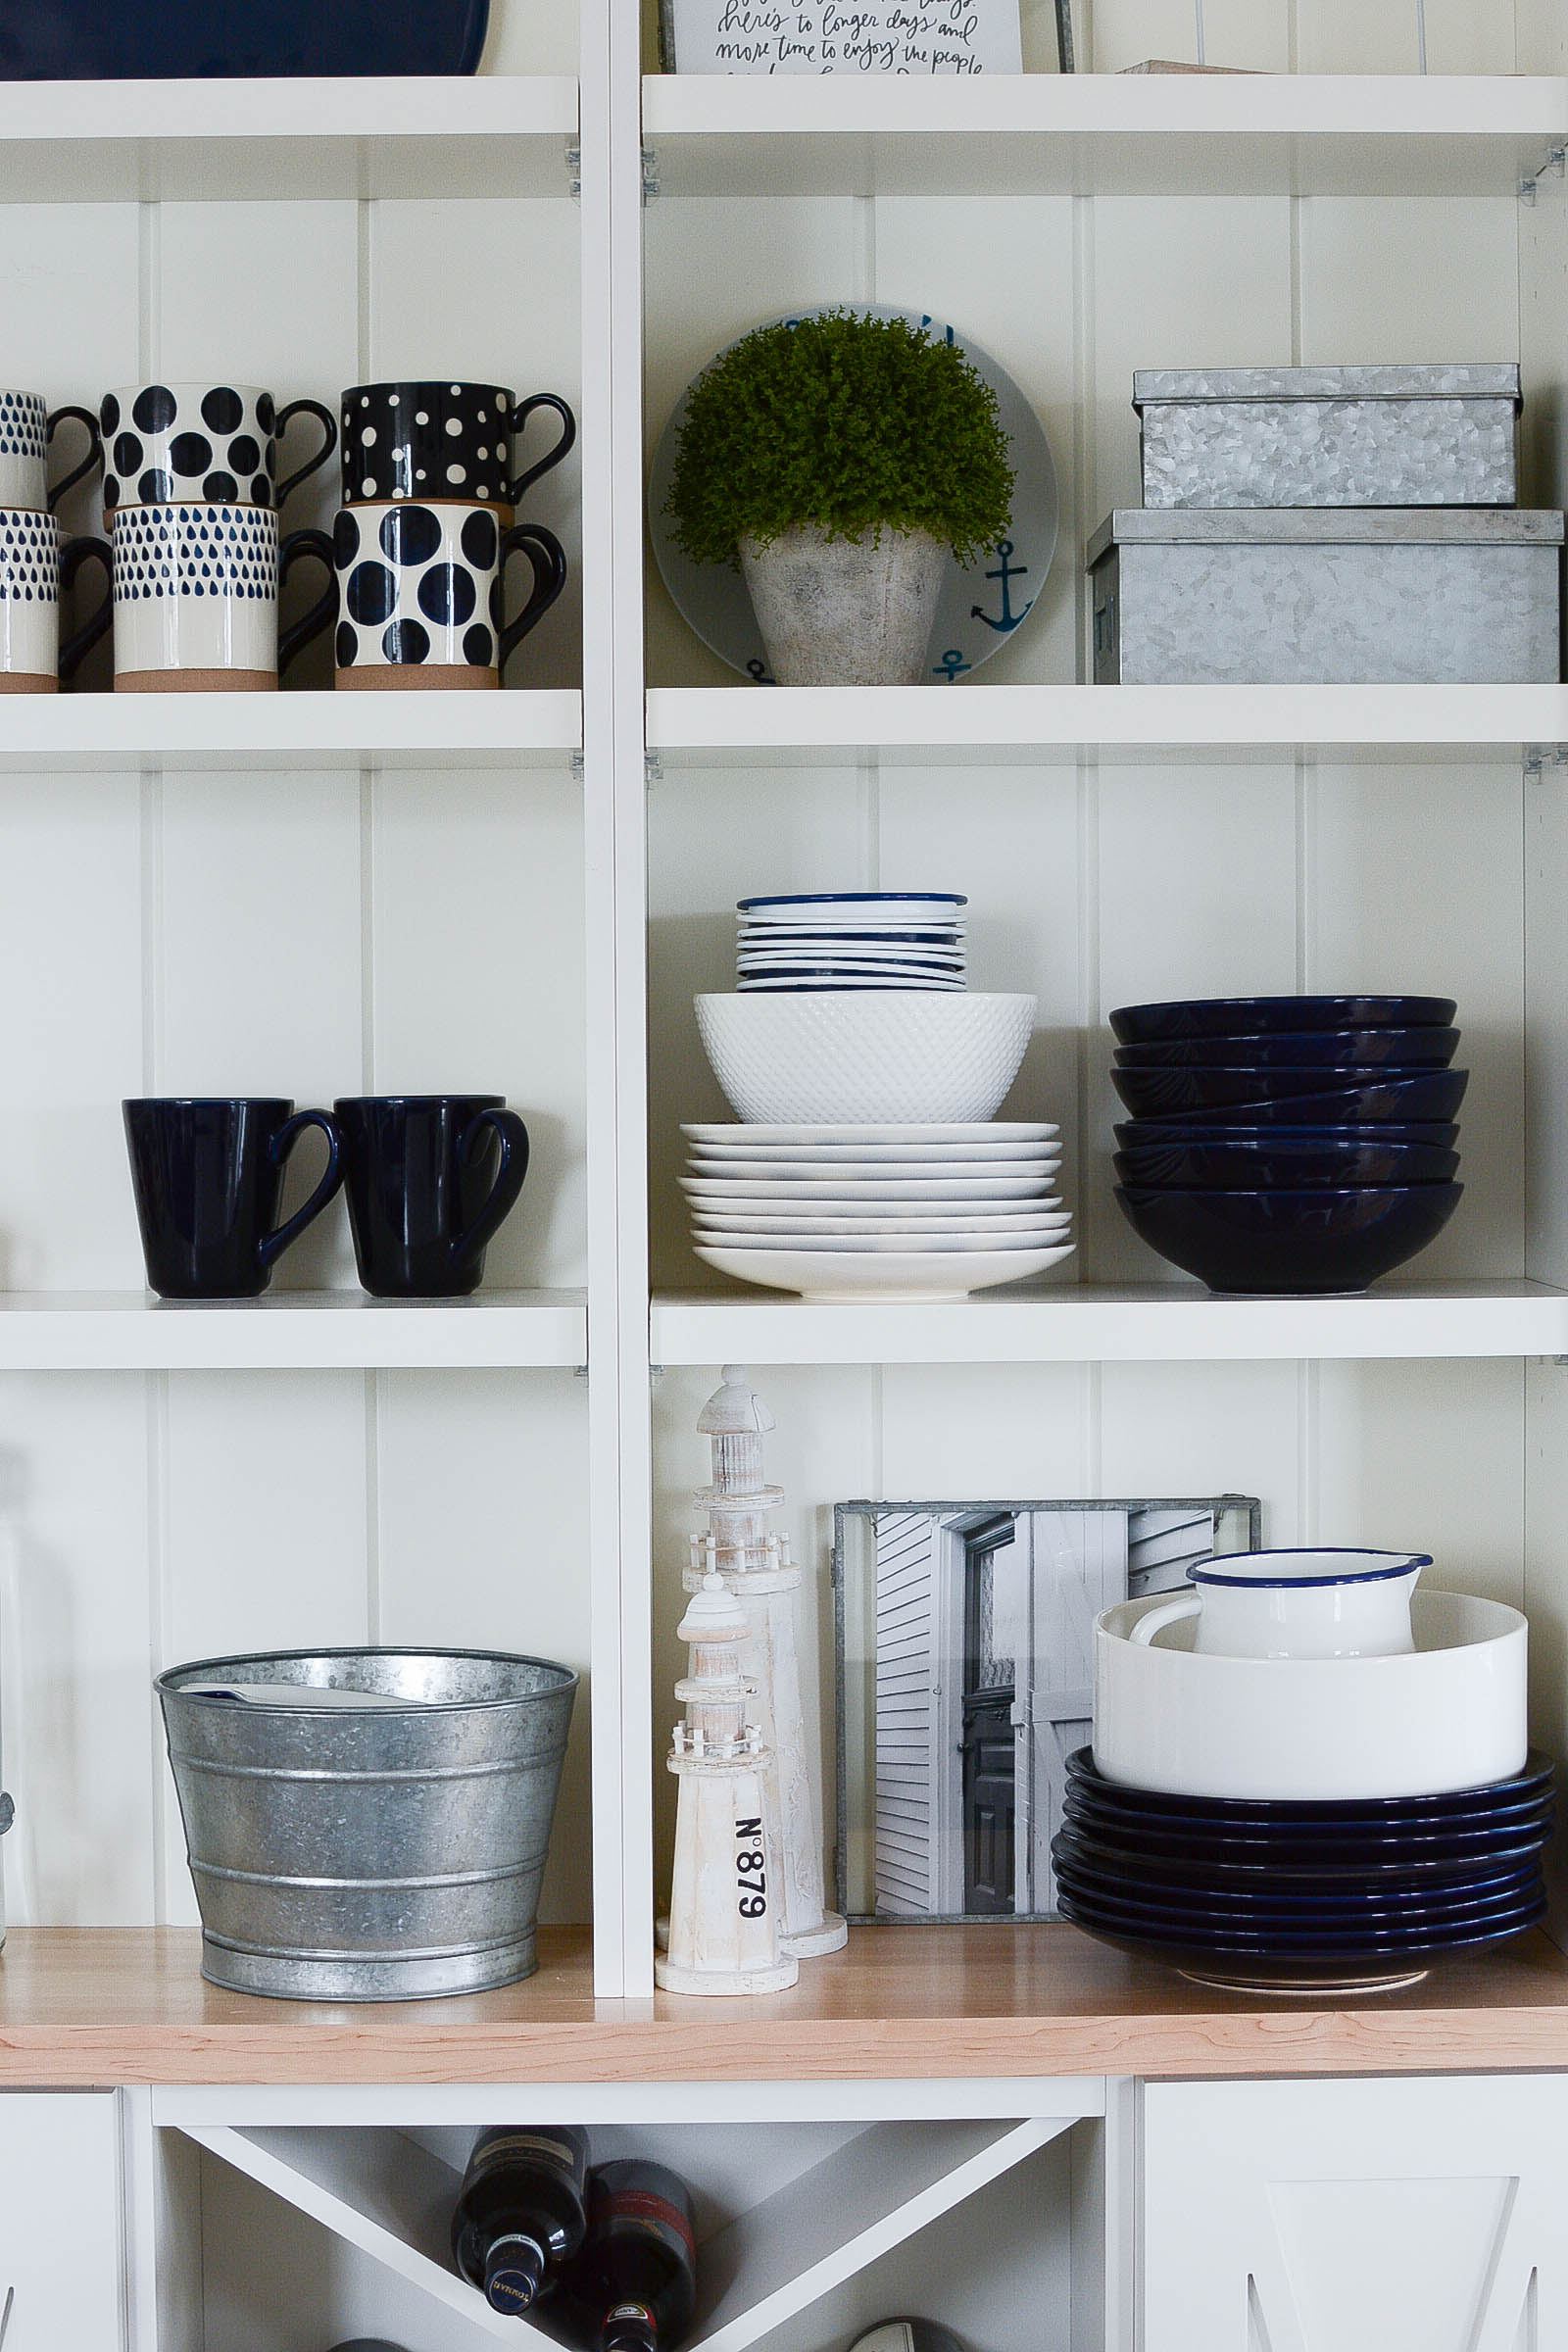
{"x":127,"y":2005}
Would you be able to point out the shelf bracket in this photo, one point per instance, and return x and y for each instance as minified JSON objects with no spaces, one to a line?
{"x":651,"y":176}
{"x":652,"y":769}
{"x":579,"y":768}
{"x":1551,"y":168}
{"x":1544,"y":759}
{"x":574,"y":173}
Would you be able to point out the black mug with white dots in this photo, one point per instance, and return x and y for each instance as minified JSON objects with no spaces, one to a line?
{"x":443,"y":440}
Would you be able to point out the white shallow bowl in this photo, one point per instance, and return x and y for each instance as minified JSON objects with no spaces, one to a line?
{"x":1450,"y":1715}
{"x":890,"y":1134}
{"x":1006,"y":1216}
{"x":999,"y":1233}
{"x":844,"y":1159}
{"x":963,"y":1185}
{"x":867,"y":1055}
{"x":856,"y":1274}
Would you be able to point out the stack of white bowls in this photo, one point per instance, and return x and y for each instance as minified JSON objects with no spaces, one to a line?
{"x":835,"y":938}
{"x":869,"y":1160}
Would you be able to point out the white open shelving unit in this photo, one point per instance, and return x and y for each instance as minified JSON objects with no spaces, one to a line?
{"x":316,"y":894}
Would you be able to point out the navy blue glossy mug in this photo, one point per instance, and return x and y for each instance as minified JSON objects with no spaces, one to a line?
{"x":208,"y":1176}
{"x":428,"y":1179}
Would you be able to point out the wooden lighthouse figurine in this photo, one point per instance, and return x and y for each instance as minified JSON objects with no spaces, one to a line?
{"x":757,"y":1568}
{"x":723,"y":1907}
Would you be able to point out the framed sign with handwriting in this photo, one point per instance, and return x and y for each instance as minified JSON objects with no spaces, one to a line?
{"x":841,"y":36}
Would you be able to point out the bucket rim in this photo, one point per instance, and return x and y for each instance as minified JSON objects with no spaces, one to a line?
{"x":171,"y":1681}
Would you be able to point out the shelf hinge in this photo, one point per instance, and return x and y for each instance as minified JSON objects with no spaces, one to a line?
{"x":655,"y":1373}
{"x":652,"y":769}
{"x":574,"y":173}
{"x":579,"y":768}
{"x":651,"y":176}
{"x":1544,"y":759}
{"x":1551,"y":168}
{"x":579,"y":1372}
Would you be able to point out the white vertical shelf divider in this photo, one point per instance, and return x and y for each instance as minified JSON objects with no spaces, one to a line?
{"x":616,"y":868}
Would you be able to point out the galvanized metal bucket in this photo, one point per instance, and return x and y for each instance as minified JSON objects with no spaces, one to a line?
{"x":378,"y":1853}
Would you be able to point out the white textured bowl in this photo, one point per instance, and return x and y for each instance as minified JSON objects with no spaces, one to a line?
{"x":876,"y":1056}
{"x":1449,"y":1715}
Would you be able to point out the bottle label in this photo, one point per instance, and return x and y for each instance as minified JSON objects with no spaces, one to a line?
{"x":631,"y":2311}
{"x":631,"y":2211}
{"x":527,"y":2147}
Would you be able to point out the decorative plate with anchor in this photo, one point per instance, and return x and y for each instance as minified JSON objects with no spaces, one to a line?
{"x":981,"y":605}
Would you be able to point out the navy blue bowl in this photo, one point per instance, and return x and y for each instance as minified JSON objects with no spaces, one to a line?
{"x":1273,"y":1016}
{"x":1168,"y":1879}
{"x":1344,"y":1914}
{"x":1133,"y":1134}
{"x":1341,"y":1097}
{"x":180,"y":40}
{"x":1316,"y":1163}
{"x":1403,"y":1859}
{"x":1527,"y":1787}
{"x":1241,"y":1961}
{"x":1288,"y":1244}
{"x":1335,"y":1933}
{"x":1401,"y":1049}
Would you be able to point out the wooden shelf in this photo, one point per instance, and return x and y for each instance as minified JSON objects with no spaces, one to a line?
{"x":90,"y":142}
{"x":1154,"y":1323}
{"x":1384,"y":134}
{"x":294,"y":1330}
{"x":251,"y":731}
{"x":127,"y":2005}
{"x":692,"y":725}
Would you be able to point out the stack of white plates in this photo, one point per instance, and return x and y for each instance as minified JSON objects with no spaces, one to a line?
{"x":852,"y":938}
{"x":858,"y":1211}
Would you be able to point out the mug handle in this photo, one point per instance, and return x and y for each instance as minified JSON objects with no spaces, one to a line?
{"x":274,"y":1243}
{"x":548,"y":556}
{"x":1186,"y":1605}
{"x":328,"y":424}
{"x":324,"y":612}
{"x":508,"y":1178}
{"x":553,"y":457}
{"x":76,"y":647}
{"x":90,"y":463}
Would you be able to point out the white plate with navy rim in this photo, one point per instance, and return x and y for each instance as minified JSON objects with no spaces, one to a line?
{"x":982,"y":604}
{"x":928,"y":1131}
{"x":865,"y":1275}
{"x":886,"y":905}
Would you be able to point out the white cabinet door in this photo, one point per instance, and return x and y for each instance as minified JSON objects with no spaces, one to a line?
{"x":1380,"y":2216}
{"x":59,"y":2221}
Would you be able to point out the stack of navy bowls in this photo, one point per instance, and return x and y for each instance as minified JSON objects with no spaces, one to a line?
{"x":1287,"y":1895}
{"x":1288,"y":1145}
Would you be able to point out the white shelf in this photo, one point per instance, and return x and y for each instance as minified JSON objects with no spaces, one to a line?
{"x":1085,"y":134}
{"x":250,"y":731}
{"x":1117,"y":1324}
{"x":79,"y":142}
{"x":125,"y":1331}
{"x":773,"y":725}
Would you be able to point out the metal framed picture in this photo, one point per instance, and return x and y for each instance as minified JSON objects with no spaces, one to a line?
{"x":965,"y":1663}
{"x":816,"y":36}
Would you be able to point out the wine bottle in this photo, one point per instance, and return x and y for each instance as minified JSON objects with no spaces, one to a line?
{"x":633,"y":2286}
{"x":521,"y":2212}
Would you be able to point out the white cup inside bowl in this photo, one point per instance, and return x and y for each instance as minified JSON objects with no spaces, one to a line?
{"x":1296,"y":1604}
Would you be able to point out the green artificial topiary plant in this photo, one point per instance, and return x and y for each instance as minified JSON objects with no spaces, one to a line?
{"x":845,"y":424}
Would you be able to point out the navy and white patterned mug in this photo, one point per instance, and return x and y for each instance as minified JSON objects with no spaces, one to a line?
{"x":27,"y":427}
{"x":434,"y":441}
{"x":36,"y":567}
{"x":201,"y":445}
{"x":196,"y":590}
{"x":420,"y":593}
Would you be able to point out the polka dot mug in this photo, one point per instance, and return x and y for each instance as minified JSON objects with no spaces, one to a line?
{"x":434,"y":440}
{"x":420,"y":592}
{"x":201,"y":445}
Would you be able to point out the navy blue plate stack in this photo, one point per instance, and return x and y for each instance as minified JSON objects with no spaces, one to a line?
{"x":1288,"y":1145}
{"x":1296,"y":1897}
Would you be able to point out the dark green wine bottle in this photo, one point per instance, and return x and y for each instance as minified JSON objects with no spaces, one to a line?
{"x":521,"y":2212}
{"x":633,"y":2287}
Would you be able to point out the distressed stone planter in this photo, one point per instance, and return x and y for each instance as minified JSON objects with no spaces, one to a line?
{"x":836,"y":613}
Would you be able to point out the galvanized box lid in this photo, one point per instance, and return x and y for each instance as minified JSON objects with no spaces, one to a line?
{"x":1327,"y":527}
{"x":1155,"y":386}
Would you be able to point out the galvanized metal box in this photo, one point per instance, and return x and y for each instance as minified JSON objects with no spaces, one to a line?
{"x":1418,"y":597}
{"x":1330,"y":436}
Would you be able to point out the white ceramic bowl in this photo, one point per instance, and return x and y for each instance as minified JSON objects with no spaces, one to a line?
{"x":877,"y":1055}
{"x":1449,"y":1715}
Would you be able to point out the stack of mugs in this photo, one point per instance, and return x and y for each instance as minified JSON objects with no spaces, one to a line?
{"x":426,"y":530}
{"x":192,"y":497}
{"x":35,"y":563}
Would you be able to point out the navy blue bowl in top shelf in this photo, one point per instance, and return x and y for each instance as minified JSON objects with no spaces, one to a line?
{"x":1286,"y":1245}
{"x":183,"y":40}
{"x":1253,"y":1166}
{"x":1269,"y":1016}
{"x":1339,"y":1095}
{"x":1304,"y":1048}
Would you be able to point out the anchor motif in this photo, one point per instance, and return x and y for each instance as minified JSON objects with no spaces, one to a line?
{"x":951,"y":664}
{"x":759,"y":672}
{"x":1009,"y":573}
